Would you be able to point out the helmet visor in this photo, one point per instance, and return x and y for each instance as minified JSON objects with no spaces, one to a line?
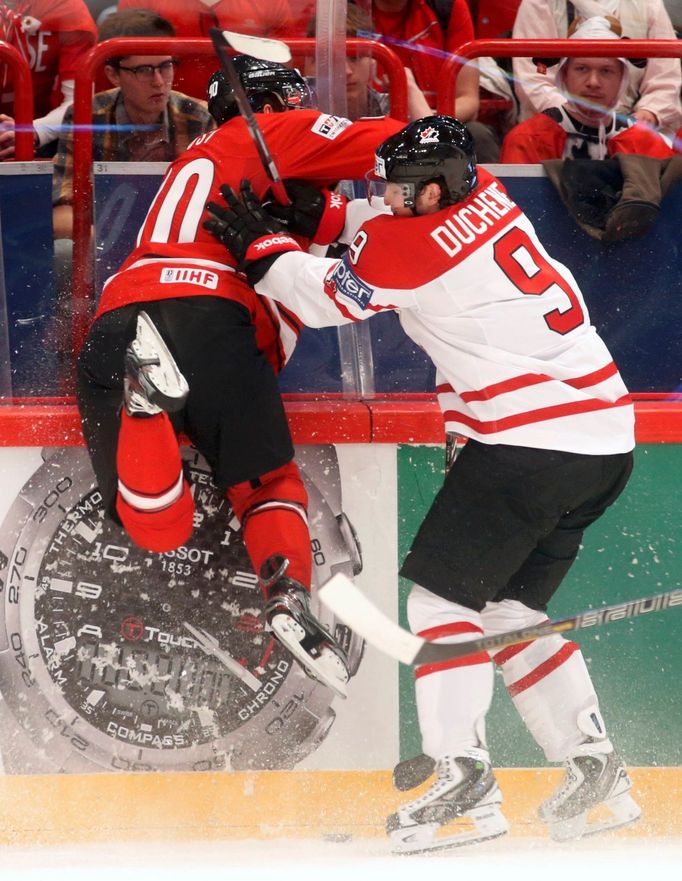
{"x":376,"y":189}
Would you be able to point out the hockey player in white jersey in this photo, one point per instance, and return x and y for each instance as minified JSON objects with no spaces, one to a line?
{"x":549,"y":424}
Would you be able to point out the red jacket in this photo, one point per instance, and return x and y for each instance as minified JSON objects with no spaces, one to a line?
{"x":417,"y":38}
{"x":540,"y":138}
{"x":64,"y":35}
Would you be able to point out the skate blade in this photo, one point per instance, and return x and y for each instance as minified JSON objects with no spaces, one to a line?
{"x":624,"y":811}
{"x":489,"y":823}
{"x":328,"y":669}
{"x":171,"y":387}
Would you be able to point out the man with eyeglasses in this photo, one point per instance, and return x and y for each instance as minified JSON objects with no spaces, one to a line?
{"x":140,"y":120}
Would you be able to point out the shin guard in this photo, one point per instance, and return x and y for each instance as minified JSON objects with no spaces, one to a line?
{"x":548,"y":682}
{"x":453,"y":697}
{"x":154,"y":500}
{"x":273,"y":511}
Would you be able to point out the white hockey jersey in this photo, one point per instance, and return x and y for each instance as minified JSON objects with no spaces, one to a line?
{"x":506,"y":326}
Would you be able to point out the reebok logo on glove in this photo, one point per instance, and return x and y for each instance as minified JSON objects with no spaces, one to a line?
{"x":270,"y":244}
{"x":266,"y":245}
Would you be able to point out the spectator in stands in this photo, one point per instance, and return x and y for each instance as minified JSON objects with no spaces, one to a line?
{"x":413,"y":29}
{"x":653,"y":95}
{"x":423,"y":34}
{"x":302,"y":12}
{"x":493,"y":18}
{"x":53,"y":36}
{"x":141,"y":119}
{"x":193,"y":18}
{"x":586,"y":126}
{"x":363,"y":100}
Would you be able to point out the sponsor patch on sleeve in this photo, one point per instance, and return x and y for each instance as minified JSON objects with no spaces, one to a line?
{"x":344,"y":282}
{"x":330,"y":127}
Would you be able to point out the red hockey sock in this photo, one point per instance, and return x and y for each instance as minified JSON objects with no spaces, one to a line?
{"x":154,"y":501}
{"x":279,"y":531}
{"x":273,"y":513}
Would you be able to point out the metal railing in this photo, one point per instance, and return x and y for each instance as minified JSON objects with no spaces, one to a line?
{"x":23,"y":101}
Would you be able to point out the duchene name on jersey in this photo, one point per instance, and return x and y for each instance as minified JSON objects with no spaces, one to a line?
{"x":474,"y":220}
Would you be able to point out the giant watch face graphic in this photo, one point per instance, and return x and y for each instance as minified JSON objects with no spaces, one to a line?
{"x":96,"y":668}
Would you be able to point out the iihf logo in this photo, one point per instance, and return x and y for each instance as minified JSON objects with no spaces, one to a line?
{"x":428,"y":136}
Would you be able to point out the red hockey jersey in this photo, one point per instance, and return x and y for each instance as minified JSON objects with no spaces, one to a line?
{"x":176,"y":257}
{"x":506,"y":326}
{"x":56,"y":37}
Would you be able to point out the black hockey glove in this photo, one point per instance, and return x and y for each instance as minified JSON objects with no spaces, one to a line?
{"x":319,"y":215}
{"x":250,"y":234}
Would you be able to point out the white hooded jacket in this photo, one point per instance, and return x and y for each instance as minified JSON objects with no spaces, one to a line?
{"x":655,"y":88}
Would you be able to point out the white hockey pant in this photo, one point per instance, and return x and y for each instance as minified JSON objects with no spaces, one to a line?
{"x":453,"y":697}
{"x":547,"y":680}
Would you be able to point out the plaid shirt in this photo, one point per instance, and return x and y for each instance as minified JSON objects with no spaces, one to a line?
{"x":115,"y":139}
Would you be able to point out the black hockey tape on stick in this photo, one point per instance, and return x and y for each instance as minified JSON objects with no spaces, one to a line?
{"x":221,"y":42}
{"x":345,"y":600}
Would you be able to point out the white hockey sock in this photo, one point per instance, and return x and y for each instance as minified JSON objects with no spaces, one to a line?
{"x":548,"y":681}
{"x":453,"y":697}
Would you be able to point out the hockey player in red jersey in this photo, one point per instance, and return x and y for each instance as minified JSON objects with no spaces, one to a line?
{"x":197,"y":342}
{"x":549,"y":424}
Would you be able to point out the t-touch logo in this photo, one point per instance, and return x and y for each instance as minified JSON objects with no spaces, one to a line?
{"x":330,"y":127}
{"x":428,"y":136}
{"x":182,"y":275}
{"x":345,"y":282}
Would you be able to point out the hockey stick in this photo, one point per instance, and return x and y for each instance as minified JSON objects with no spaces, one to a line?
{"x":259,"y":47}
{"x":209,"y":644}
{"x":343,"y":598}
{"x":267,"y":50}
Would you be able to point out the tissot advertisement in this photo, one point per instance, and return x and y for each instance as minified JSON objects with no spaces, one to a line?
{"x":98,"y":670}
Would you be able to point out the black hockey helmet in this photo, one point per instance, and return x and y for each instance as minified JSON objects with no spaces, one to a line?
{"x":435,"y":148}
{"x":263,"y":81}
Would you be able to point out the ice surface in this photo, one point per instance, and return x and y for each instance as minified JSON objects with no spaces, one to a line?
{"x":513,"y":859}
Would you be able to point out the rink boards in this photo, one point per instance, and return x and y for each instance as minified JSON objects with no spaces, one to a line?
{"x":343,"y":786}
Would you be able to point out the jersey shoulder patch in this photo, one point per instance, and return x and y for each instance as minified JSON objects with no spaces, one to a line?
{"x":330,"y":127}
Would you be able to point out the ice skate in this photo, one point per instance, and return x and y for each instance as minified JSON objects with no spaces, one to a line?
{"x":152,"y":382}
{"x":465,"y":788}
{"x":594,"y":777}
{"x":288,"y":617}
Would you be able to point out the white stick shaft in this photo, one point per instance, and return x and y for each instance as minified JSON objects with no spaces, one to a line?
{"x":259,"y":47}
{"x":345,"y":600}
